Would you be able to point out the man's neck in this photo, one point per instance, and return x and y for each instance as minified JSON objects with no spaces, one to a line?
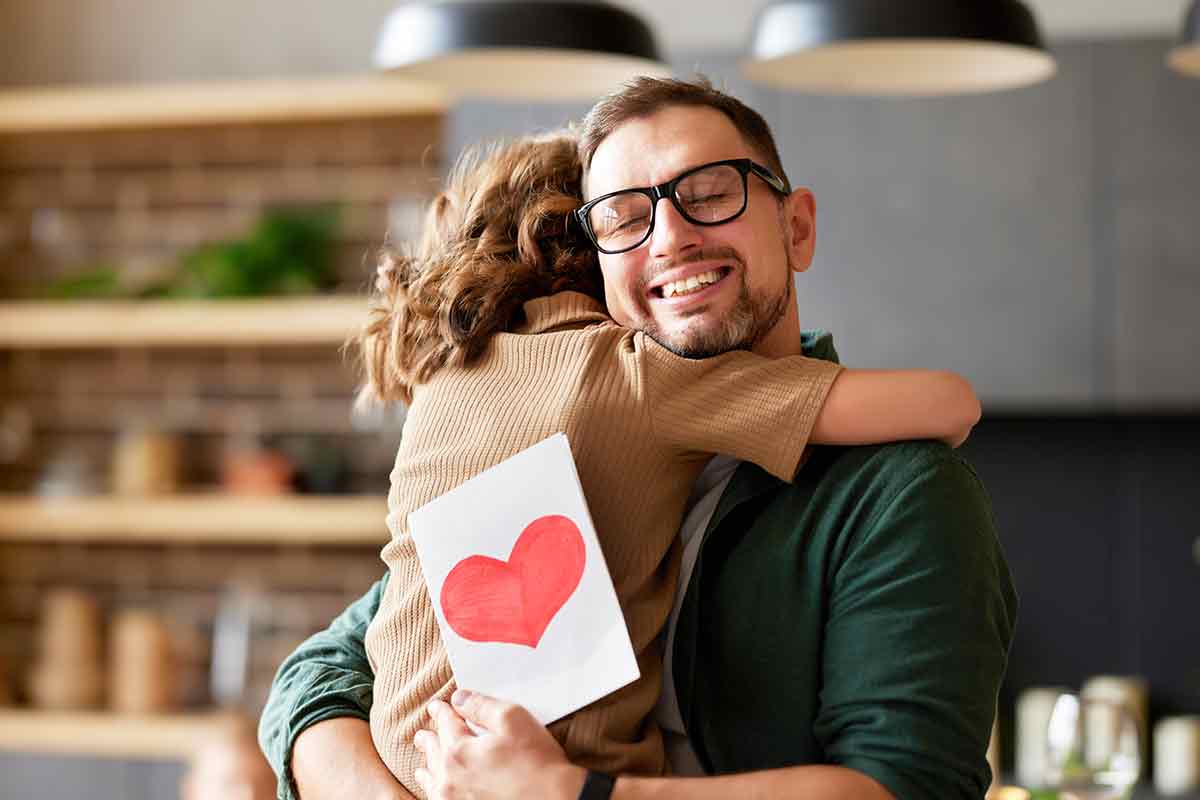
{"x":783,"y":339}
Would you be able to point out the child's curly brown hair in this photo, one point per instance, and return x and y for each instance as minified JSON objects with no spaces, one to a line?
{"x":501,"y":233}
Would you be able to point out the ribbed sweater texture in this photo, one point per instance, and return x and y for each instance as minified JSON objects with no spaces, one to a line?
{"x":642,"y":422}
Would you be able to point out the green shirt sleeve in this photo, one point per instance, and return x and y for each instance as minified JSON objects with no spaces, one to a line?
{"x":916,"y":641}
{"x":327,"y":676}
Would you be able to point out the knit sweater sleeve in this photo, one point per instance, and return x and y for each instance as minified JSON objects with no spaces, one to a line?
{"x":327,"y":676}
{"x":754,"y":408}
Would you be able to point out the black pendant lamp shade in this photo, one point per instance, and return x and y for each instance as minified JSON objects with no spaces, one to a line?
{"x":1186,"y":57}
{"x":897,"y":47}
{"x":547,"y":49}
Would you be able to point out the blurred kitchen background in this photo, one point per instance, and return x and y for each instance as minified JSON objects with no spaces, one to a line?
{"x":185,"y":494}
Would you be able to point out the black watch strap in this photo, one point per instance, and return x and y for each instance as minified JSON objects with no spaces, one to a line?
{"x":597,"y":786}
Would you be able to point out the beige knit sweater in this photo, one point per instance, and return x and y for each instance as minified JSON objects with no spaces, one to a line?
{"x":642,"y":422}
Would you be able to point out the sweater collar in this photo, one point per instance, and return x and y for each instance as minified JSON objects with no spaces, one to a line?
{"x":561,"y":310}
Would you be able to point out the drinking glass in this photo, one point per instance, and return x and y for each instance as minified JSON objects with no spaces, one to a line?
{"x":1093,"y":749}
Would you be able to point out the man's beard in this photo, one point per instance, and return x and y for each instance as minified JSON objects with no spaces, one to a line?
{"x":752,"y":317}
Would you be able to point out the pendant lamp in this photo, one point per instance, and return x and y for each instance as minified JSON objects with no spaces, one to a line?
{"x":897,"y":47}
{"x":1186,"y":57}
{"x":533,"y":50}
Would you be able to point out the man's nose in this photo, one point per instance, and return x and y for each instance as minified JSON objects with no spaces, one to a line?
{"x":672,"y":233}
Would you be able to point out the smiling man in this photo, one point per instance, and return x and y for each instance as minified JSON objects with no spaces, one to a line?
{"x":717,"y":278}
{"x":842,"y":636}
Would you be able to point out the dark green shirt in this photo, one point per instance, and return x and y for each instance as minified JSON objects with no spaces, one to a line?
{"x":860,"y":616}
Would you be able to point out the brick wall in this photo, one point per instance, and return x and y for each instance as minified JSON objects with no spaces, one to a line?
{"x":79,"y":401}
{"x":139,"y":199}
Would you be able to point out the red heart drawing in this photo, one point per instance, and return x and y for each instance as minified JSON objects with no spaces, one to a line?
{"x":488,"y":600}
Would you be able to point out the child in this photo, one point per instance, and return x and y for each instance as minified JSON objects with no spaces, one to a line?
{"x":496,"y":335}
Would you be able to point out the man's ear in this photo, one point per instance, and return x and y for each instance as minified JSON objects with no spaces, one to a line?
{"x":800,"y":229}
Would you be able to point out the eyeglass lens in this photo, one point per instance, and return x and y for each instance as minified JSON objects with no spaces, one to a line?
{"x":708,"y":197}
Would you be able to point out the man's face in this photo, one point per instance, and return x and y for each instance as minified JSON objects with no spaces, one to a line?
{"x":749,"y":305}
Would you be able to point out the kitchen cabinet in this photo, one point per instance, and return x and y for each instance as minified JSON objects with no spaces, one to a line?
{"x":955,"y":233}
{"x":1161,"y":560}
{"x":1096,"y":515}
{"x":1152,"y":246}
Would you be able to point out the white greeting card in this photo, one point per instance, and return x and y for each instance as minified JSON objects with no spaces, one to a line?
{"x":523,"y":597}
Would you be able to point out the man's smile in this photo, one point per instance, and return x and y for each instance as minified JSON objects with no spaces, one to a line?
{"x":692,"y":283}
{"x":689,"y":285}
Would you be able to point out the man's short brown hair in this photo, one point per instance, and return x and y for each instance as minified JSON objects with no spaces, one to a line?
{"x":645,"y":96}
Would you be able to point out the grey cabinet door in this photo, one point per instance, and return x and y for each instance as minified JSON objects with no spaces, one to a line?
{"x":1152,"y":245}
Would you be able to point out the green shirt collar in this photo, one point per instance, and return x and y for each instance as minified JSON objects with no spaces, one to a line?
{"x":817,"y":343}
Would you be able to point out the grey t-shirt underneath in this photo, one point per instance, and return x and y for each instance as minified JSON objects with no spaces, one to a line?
{"x":706,"y":492}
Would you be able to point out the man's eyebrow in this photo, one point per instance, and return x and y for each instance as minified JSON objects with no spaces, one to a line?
{"x":679,"y":172}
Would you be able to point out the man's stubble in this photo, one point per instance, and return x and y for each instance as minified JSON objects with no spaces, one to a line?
{"x":753,"y":316}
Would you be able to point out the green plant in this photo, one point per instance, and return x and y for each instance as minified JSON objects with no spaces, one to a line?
{"x":287,"y":252}
{"x":100,"y":281}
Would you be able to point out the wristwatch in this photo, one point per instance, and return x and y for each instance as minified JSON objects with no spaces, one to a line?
{"x":597,"y":786}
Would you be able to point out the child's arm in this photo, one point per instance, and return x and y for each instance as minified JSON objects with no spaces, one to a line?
{"x":869,"y":406}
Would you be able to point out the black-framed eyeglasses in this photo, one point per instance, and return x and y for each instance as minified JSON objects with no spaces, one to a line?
{"x":710,"y":194}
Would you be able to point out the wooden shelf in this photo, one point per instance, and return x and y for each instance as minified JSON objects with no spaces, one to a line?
{"x":169,"y":737}
{"x":142,"y":106}
{"x":206,"y":519}
{"x":180,"y":323}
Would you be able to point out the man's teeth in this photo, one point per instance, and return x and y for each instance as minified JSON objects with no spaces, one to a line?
{"x":690,"y":284}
